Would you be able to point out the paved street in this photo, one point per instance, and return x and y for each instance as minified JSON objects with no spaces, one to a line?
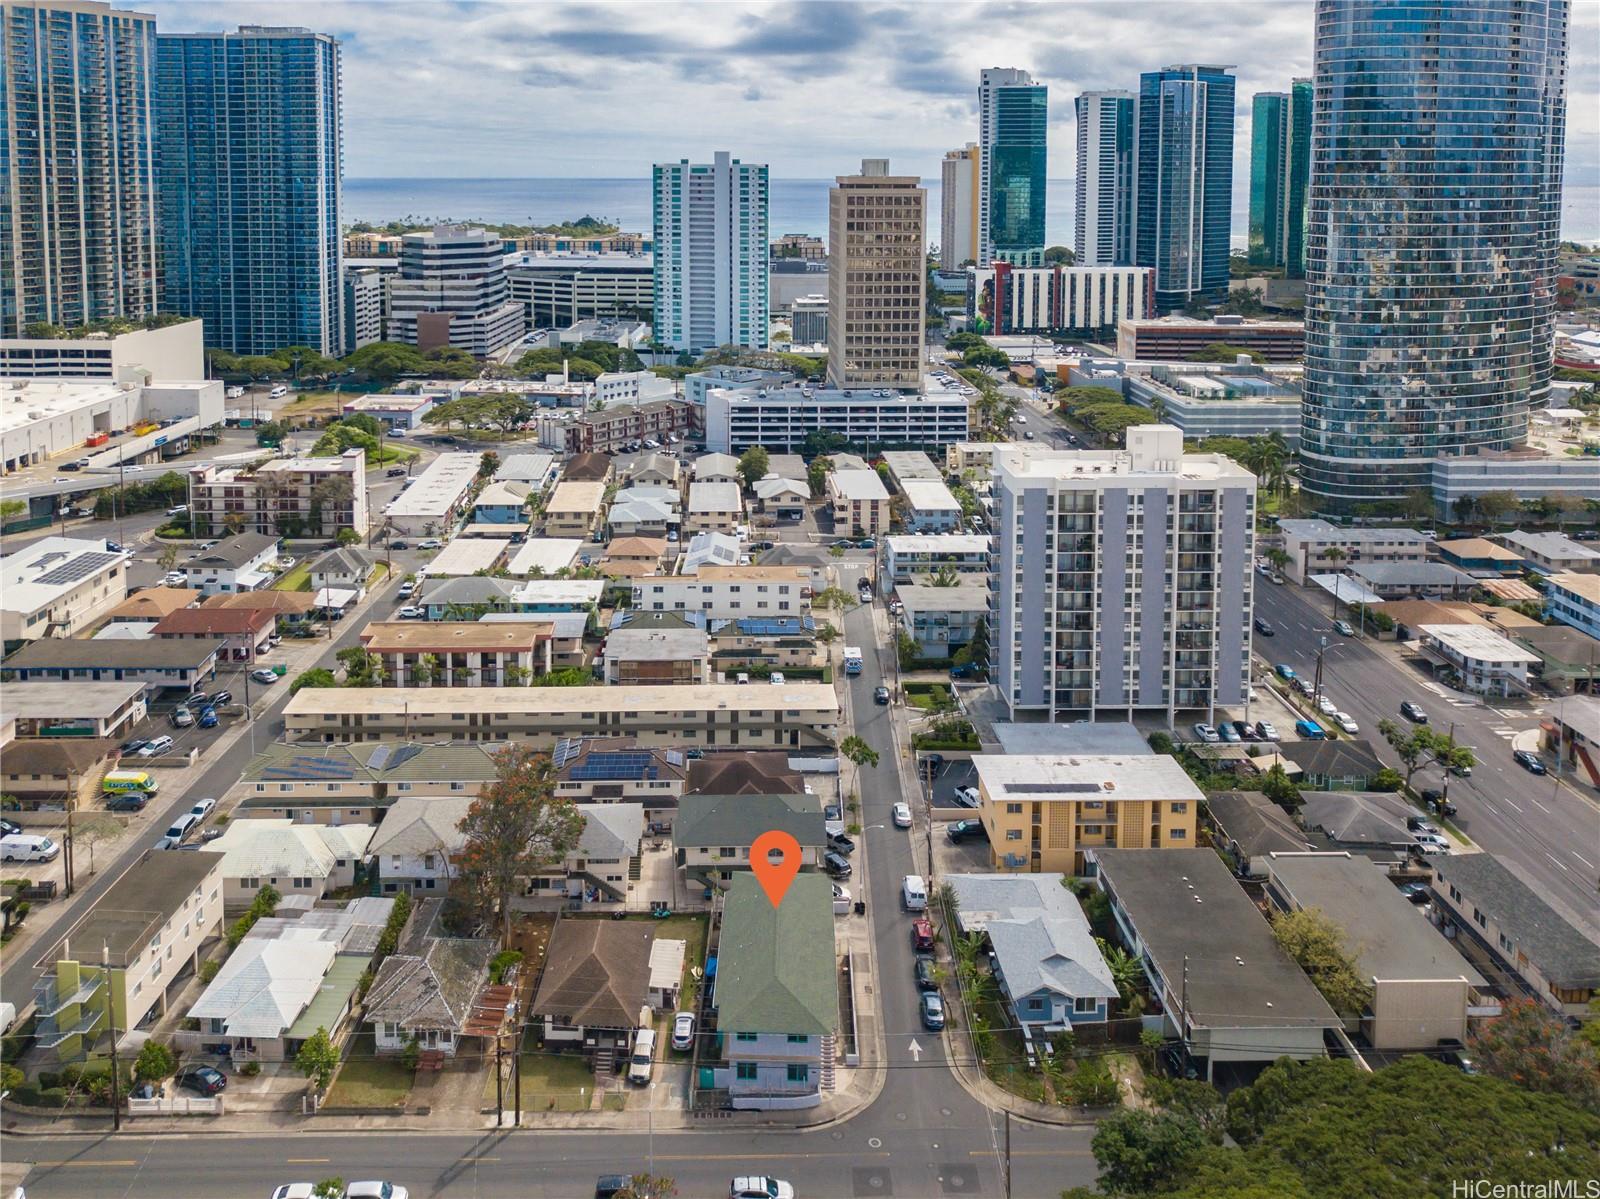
{"x":1542,"y":825}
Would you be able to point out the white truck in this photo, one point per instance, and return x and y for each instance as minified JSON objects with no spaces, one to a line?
{"x":852,"y":659}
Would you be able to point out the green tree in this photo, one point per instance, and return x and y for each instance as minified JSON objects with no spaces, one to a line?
{"x":318,"y":1059}
{"x":905,"y":648}
{"x":1093,"y":1084}
{"x":1317,"y":945}
{"x":361,"y":668}
{"x":753,"y":465}
{"x":1495,"y":506}
{"x":329,"y":1188}
{"x":11,"y":509}
{"x":1199,"y":1101}
{"x":945,"y":576}
{"x":515,"y":827}
{"x":1221,"y":351}
{"x":1277,"y":786}
{"x":347,"y":537}
{"x":817,"y":474}
{"x":317,"y":676}
{"x":1142,"y":1153}
{"x":1531,"y":1046}
{"x":858,"y":751}
{"x":1059,"y":256}
{"x":488,"y":464}
{"x":155,"y":1062}
{"x":648,"y":1186}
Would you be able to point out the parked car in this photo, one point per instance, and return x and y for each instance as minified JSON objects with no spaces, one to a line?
{"x":203,"y":808}
{"x":607,"y":1186}
{"x":178,"y":510}
{"x":759,"y":1186}
{"x":22,"y":847}
{"x":1284,"y":671}
{"x":683,"y":1031}
{"x":1326,"y":706}
{"x":1266,"y":730}
{"x":1416,"y":892}
{"x":1433,"y":839}
{"x":7,"y":829}
{"x":1342,"y":627}
{"x":1346,"y":722}
{"x":1246,"y":731}
{"x":836,"y":865}
{"x":430,"y":543}
{"x":182,"y":718}
{"x":922,"y":967}
{"x":844,"y":545}
{"x":832,"y":819}
{"x":1430,"y":796}
{"x":208,"y":717}
{"x":396,"y":472}
{"x":866,"y":543}
{"x":880,"y":695}
{"x":966,"y":830}
{"x":375,"y":1190}
{"x":220,"y":698}
{"x":152,"y":749}
{"x":901,"y":815}
{"x":399,"y":545}
{"x":264,"y":675}
{"x":932,"y":1009}
{"x":965,"y":797}
{"x":410,"y":612}
{"x":127,"y":801}
{"x":1529,"y":761}
{"x":1228,"y":733}
{"x":1262,"y":626}
{"x":922,"y":935}
{"x":132,"y":746}
{"x":1310,"y":730}
{"x":1205,"y":732}
{"x":1416,"y":824}
{"x":776,"y":678}
{"x":206,"y":1080}
{"x":1413,"y":713}
{"x":407,"y":586}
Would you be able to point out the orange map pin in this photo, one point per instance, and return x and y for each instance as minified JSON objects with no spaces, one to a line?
{"x":775,"y":877}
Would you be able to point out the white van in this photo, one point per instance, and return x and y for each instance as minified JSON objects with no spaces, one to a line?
{"x":914,"y":893}
{"x":278,"y":392}
{"x":24,"y":847}
{"x":180,"y":829}
{"x":642,"y":1062}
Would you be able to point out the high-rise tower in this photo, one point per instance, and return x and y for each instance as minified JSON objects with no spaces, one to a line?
{"x":877,"y":279}
{"x":1280,"y":151}
{"x":711,"y":254}
{"x":1013,"y":120}
{"x":1103,"y":222}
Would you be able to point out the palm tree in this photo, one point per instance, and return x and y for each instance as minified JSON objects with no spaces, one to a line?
{"x":1126,"y":972}
{"x":1333,"y":555}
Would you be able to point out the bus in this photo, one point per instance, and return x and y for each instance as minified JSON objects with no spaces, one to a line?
{"x":118,"y":782}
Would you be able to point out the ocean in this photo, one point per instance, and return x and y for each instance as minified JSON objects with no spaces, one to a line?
{"x":795,"y":205}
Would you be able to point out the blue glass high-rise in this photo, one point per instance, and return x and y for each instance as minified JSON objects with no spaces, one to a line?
{"x":251,"y":162}
{"x":1431,"y":233}
{"x":1185,"y":181}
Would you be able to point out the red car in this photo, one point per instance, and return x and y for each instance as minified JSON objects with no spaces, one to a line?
{"x":922,"y":935}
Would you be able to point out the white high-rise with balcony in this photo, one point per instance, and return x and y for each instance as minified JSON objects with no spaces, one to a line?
{"x":710,"y":254}
{"x":1103,"y":221}
{"x":1122,"y":579}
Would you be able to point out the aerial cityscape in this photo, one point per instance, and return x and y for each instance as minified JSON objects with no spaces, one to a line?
{"x":800,"y":600}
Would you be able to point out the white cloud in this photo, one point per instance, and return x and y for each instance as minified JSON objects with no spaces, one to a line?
{"x":604,"y":89}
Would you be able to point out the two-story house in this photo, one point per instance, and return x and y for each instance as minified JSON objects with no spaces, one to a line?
{"x":712,"y":833}
{"x":416,"y":846}
{"x":241,"y":563}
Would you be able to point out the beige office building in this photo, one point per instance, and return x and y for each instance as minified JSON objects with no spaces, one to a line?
{"x":877,"y":281}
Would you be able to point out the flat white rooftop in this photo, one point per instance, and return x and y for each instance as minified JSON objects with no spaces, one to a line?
{"x":544,"y":554}
{"x":27,"y":401}
{"x":797,"y":698}
{"x":939,"y":543}
{"x":468,"y":555}
{"x":858,"y":485}
{"x":1047,"y":777}
{"x":437,"y":489}
{"x":1479,"y":644}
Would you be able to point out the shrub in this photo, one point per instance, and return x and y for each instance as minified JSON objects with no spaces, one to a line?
{"x":11,"y":1078}
{"x":53,"y":1097}
{"x":208,"y":970}
{"x":250,"y":1069}
{"x":49,"y":1079}
{"x":502,"y":962}
{"x":155,"y":1062}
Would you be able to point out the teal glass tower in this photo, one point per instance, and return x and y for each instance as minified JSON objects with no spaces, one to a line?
{"x":1013,"y":123}
{"x":1431,"y":237}
{"x":250,"y":166}
{"x":1280,"y":150}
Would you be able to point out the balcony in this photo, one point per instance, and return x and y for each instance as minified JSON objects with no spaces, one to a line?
{"x":50,"y":1001}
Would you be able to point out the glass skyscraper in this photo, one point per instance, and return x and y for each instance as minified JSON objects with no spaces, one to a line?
{"x":251,"y":165}
{"x":710,"y":254}
{"x":1185,"y":182}
{"x":77,"y":164}
{"x":1013,"y":123}
{"x":1434,"y":207}
{"x":1103,"y":220}
{"x":1280,"y":151}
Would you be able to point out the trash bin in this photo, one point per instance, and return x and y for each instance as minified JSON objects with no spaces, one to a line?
{"x":861,"y":907}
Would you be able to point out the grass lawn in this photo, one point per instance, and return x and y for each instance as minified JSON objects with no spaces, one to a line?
{"x":551,"y":1082}
{"x":392,"y":454}
{"x":368,"y":1081}
{"x":931,"y":697}
{"x":298,"y":579}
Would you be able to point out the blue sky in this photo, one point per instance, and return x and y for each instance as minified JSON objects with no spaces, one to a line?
{"x":469,"y":90}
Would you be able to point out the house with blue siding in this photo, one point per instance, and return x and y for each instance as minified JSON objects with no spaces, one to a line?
{"x":1049,"y":969}
{"x":502,"y":503}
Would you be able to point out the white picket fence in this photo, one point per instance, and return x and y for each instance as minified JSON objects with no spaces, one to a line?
{"x":178,"y":1105}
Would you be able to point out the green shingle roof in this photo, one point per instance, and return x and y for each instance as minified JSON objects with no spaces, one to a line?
{"x":710,"y":820}
{"x":776,"y":971}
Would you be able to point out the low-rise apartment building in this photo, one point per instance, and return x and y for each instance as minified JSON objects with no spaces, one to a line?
{"x":74,"y":710}
{"x":783,"y":417}
{"x":794,"y":716}
{"x":574,"y":509}
{"x":55,"y":773}
{"x":1552,"y":553}
{"x":116,"y":967}
{"x":1309,"y":544}
{"x":860,"y":503}
{"x":1485,"y":662}
{"x":460,"y":653}
{"x":58,"y":587}
{"x":942,"y":619}
{"x":284,"y":497}
{"x":729,"y":592}
{"x":416,"y":847}
{"x":1043,"y":811}
{"x":157,"y":664}
{"x":620,"y":770}
{"x":930,"y":507}
{"x":713,"y":507}
{"x":436,"y":499}
{"x":647,"y":656}
{"x":243,"y":632}
{"x":1574,"y":599}
{"x":712,"y":834}
{"x":916,"y":558}
{"x":610,"y":431}
{"x":358,"y":783}
{"x":241,"y":563}
{"x":293,"y":859}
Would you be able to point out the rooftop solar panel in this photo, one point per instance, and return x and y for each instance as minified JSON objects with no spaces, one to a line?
{"x":81,"y":567}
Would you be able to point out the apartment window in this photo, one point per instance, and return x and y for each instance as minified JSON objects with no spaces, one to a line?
{"x":1506,"y":944}
{"x":1085,"y":1005}
{"x":746,"y":1036}
{"x":745,"y":1071}
{"x":1092,"y":830}
{"x":1013,"y":834}
{"x":798,"y":1073}
{"x":1479,"y":919}
{"x":1177,"y":834}
{"x":727,"y":851}
{"x":1036,"y":1005}
{"x":798,"y":1040}
{"x":1179,"y":809}
{"x":1013,"y":809}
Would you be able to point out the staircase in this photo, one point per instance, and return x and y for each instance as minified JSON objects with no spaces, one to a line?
{"x":605,"y":1062}
{"x":830,"y":1051}
{"x":635,"y":867}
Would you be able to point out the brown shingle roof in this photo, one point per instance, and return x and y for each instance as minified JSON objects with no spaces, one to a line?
{"x":50,"y":756}
{"x":765,"y":773}
{"x":586,"y":468}
{"x":212,"y":622}
{"x":596,"y":973}
{"x":153,"y":603}
{"x":284,"y":603}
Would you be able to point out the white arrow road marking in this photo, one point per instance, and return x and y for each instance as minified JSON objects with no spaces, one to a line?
{"x":916,"y":1050}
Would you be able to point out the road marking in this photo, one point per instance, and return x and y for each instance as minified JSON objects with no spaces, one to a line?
{"x":89,"y":1164}
{"x":1557,"y":861}
{"x":1537,"y":804}
{"x":1515,"y":805}
{"x":1033,"y":1153}
{"x":744,"y":1157}
{"x":915,"y":1049}
{"x":1581,"y":858}
{"x":307,"y":1161}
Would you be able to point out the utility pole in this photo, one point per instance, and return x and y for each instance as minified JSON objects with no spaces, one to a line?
{"x":499,"y":1080}
{"x":1449,"y":769}
{"x":516,"y":1067}
{"x":116,"y":1098}
{"x":1008,"y":1153}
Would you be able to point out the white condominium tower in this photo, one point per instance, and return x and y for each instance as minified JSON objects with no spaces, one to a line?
{"x":877,"y":279}
{"x":1122,"y":579}
{"x":711,"y":254}
{"x":1103,"y":222}
{"x":452,"y":291}
{"x":959,"y":181}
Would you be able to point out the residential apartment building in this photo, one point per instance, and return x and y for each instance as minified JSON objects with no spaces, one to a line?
{"x":1280,"y":167}
{"x":452,"y":291}
{"x":1122,"y":578}
{"x":713,"y":507}
{"x":800,"y":245}
{"x":653,"y":656}
{"x":250,"y":168}
{"x":728,"y":592}
{"x":75,"y":710}
{"x":606,"y":770}
{"x":1309,"y":544}
{"x":877,"y":279}
{"x":157,"y":664}
{"x":860,"y":502}
{"x":1574,"y":599}
{"x":1174,"y":338}
{"x":293,"y":859}
{"x":574,"y":509}
{"x":467,"y":653}
{"x":242,"y":632}
{"x":1243,"y":400}
{"x":777,"y":995}
{"x":1184,"y":192}
{"x":1552,"y":553}
{"x":79,"y":165}
{"x":1071,"y":301}
{"x":437,"y":498}
{"x":942,"y":619}
{"x":581,"y":243}
{"x":711,"y":254}
{"x":243,"y":562}
{"x":1042,"y":811}
{"x":1013,"y":122}
{"x":59,"y":587}
{"x":1103,"y":217}
{"x":960,"y":179}
{"x":909,"y":559}
{"x":113,"y":971}
{"x":610,"y":431}
{"x":366,"y":306}
{"x":930,"y":506}
{"x":288,"y":497}
{"x":415,"y":847}
{"x":782,"y":418}
{"x":357,"y":784}
{"x":560,"y":289}
{"x":796,"y":716}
